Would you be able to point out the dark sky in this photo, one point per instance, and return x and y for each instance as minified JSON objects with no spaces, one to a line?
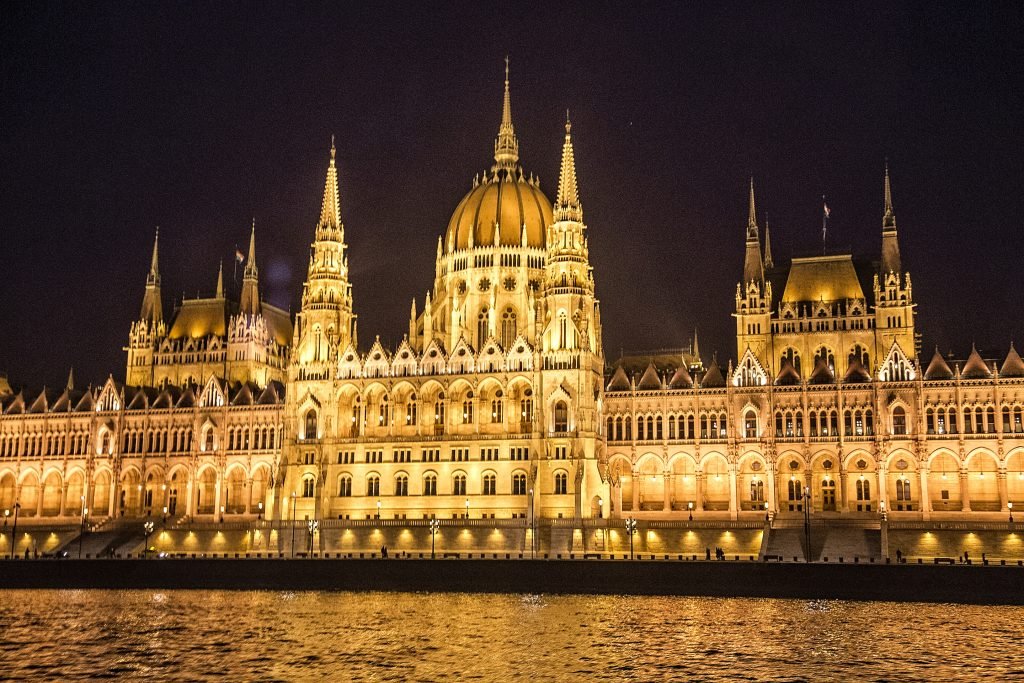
{"x":198,"y":116}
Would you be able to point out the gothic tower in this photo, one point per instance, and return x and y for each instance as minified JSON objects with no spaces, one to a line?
{"x":894,"y":302}
{"x":754,"y":294}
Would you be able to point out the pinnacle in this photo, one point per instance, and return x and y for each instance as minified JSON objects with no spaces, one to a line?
{"x":506,"y":147}
{"x":888,"y":218}
{"x":752,"y":215}
{"x":567,"y":202}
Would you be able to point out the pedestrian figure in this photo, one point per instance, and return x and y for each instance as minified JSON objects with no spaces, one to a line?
{"x":707,"y":553}
{"x":899,"y":556}
{"x":384,"y":551}
{"x":26,"y":553}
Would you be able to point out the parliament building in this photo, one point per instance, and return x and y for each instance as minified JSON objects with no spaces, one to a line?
{"x":498,"y":412}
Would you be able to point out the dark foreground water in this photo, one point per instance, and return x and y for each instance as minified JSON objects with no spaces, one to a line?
{"x":189,"y":635}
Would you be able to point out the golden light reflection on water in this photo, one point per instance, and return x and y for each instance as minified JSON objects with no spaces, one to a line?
{"x":402,"y":636}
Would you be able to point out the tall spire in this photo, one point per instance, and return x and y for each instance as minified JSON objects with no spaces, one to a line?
{"x":152,"y":309}
{"x":753,"y":268}
{"x":250,"y":299}
{"x":888,"y":218}
{"x":71,"y":377}
{"x":567,"y":203}
{"x":330,"y":211}
{"x":220,"y":281}
{"x":890,"y":245}
{"x":506,"y":147}
{"x":768,"y":262}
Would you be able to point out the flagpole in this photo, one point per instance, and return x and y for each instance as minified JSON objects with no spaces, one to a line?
{"x":234,"y":275}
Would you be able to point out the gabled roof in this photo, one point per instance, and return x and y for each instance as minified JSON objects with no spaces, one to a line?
{"x":1013,"y":366}
{"x":619,"y":381}
{"x":650,"y":381}
{"x":272,"y":395}
{"x":822,"y":373}
{"x":938,"y":368}
{"x":975,"y":368}
{"x":713,"y":378}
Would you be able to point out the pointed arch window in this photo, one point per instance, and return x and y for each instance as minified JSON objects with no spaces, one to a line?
{"x":482,"y":326}
{"x":560,"y":422}
{"x":508,"y":328}
{"x":311,"y":424}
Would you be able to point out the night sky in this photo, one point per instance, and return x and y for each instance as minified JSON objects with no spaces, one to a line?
{"x":199,"y":116}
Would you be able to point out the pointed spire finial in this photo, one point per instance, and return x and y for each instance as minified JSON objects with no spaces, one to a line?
{"x":330,"y":211}
{"x":567,"y":201}
{"x":332,"y":147}
{"x":154,"y":268}
{"x":506,"y":147}
{"x":220,"y":280}
{"x":752,"y":215}
{"x":71,"y":378}
{"x":768,"y":262}
{"x":888,"y":218}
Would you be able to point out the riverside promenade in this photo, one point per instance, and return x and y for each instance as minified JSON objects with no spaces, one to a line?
{"x":958,"y":583}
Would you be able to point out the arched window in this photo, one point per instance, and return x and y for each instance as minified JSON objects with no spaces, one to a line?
{"x":750,"y":424}
{"x":497,"y":408}
{"x":508,"y":328}
{"x":863,"y":490}
{"x":561,"y":417}
{"x":825,"y":354}
{"x":439,"y":410}
{"x":459,"y":484}
{"x":411,"y":412}
{"x":310,"y":432}
{"x":308,"y":486}
{"x":757,"y":491}
{"x":373,"y":485}
{"x":860,"y":354}
{"x":490,"y":483}
{"x":429,"y":484}
{"x":209,"y":440}
{"x":629,"y":429}
{"x":899,"y":421}
{"x":384,"y":412}
{"x":481,"y":327}
{"x":345,"y":486}
{"x":561,"y":483}
{"x":793,"y":357}
{"x":903,"y":489}
{"x":467,"y":409}
{"x":519,"y":484}
{"x":401,"y":485}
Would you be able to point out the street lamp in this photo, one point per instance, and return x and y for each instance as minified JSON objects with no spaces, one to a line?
{"x":378,"y":509}
{"x":807,"y":522}
{"x":7,"y":513}
{"x":221,"y":514}
{"x":631,"y":529}
{"x":14,"y":531}
{"x":81,"y":533}
{"x":165,"y":514}
{"x":1010,"y":507}
{"x":313,"y":525}
{"x":533,"y":529}
{"x":435,"y":524}
{"x":600,"y":508}
{"x":467,"y":508}
{"x":295,"y":499}
{"x":259,"y":506}
{"x":148,"y":527}
{"x":689,"y":506}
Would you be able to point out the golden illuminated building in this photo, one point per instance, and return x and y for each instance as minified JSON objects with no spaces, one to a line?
{"x":498,"y":405}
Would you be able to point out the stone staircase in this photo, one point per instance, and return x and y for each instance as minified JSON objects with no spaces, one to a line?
{"x":851,"y":544}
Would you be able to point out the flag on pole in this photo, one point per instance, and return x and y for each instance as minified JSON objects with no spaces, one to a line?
{"x":239,"y":256}
{"x":825,"y":213}
{"x":825,"y":206}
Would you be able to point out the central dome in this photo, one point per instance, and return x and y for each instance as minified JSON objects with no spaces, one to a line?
{"x":506,"y":202}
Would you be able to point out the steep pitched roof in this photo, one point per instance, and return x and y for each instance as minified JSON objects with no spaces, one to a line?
{"x":650,"y":380}
{"x":822,"y":373}
{"x":619,"y":381}
{"x":938,"y":368}
{"x":975,"y":368}
{"x":681,"y":379}
{"x":1013,"y":366}
{"x":856,"y":373}
{"x":788,"y":376}
{"x":713,"y":377}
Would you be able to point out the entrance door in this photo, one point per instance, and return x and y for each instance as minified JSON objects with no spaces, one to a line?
{"x":828,"y":495}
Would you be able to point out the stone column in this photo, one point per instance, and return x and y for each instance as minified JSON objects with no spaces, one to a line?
{"x":667,"y":505}
{"x":844,"y":493}
{"x":926,"y":502}
{"x":773,"y":502}
{"x":218,"y":495}
{"x":698,"y":503}
{"x":39,"y":497}
{"x":965,"y":496}
{"x":637,"y":481}
{"x":734,"y":502}
{"x":1003,"y":496}
{"x":64,"y":498}
{"x":248,"y":496}
{"x":190,"y":506}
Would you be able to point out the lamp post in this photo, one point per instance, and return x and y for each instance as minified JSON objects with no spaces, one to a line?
{"x":259,"y":506}
{"x":165,"y":514}
{"x":7,"y":513}
{"x":81,"y":533}
{"x":435,"y":524}
{"x":378,"y":509}
{"x":467,"y":508}
{"x":600,"y":508}
{"x":533,"y":529}
{"x":807,"y":522}
{"x":1010,"y":507}
{"x":148,"y":528}
{"x":313,"y":525}
{"x":631,"y":529}
{"x":689,"y":506}
{"x":221,"y":514}
{"x":14,"y":531}
{"x":295,"y":500}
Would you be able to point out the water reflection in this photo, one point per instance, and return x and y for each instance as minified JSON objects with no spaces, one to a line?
{"x":61,"y":635}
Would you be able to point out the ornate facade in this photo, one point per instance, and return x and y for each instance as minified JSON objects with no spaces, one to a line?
{"x":498,"y":402}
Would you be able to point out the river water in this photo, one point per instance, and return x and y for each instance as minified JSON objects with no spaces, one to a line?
{"x":266,"y":635}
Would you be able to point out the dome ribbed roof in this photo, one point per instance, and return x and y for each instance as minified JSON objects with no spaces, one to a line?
{"x":505,"y":200}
